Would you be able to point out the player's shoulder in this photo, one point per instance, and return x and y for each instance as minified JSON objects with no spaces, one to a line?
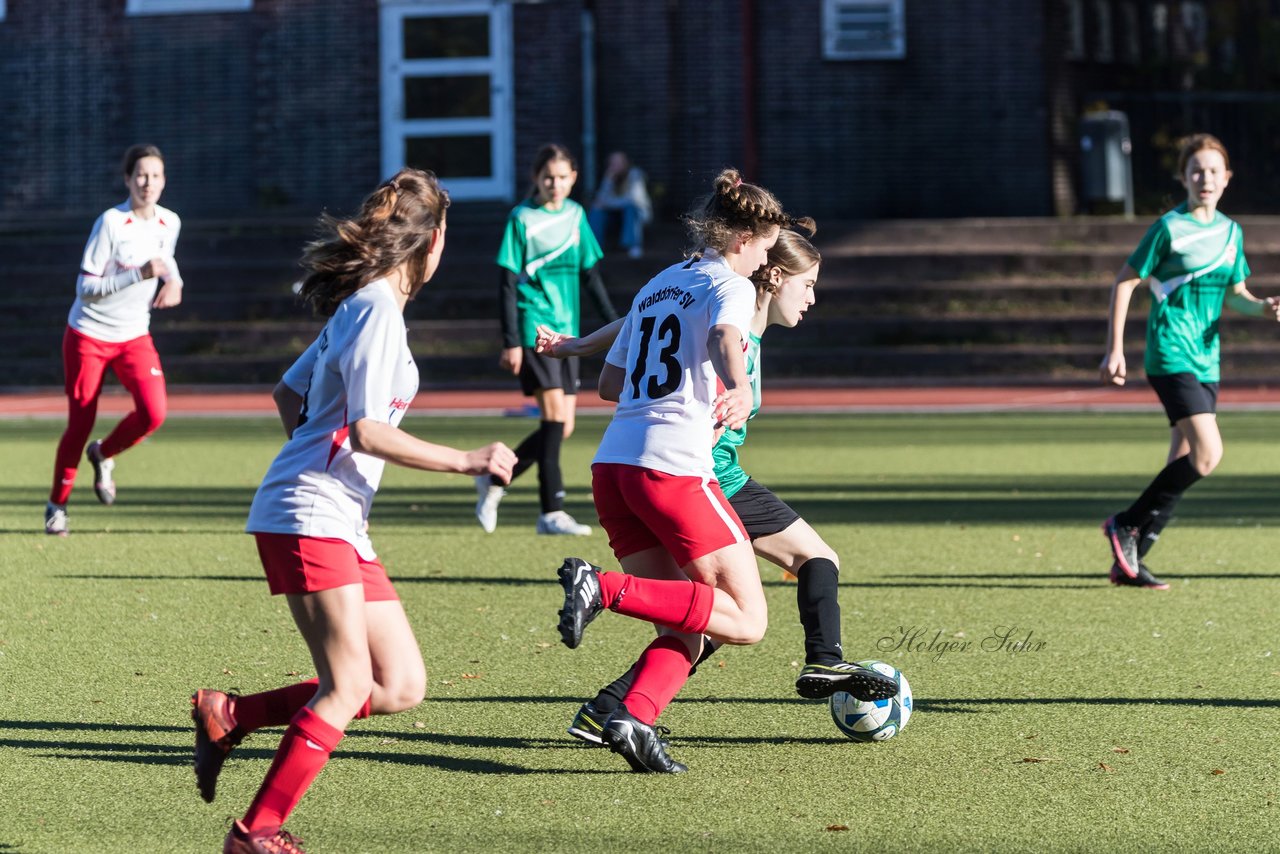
{"x":167,"y":218}
{"x":117,"y":216}
{"x":524,"y":211}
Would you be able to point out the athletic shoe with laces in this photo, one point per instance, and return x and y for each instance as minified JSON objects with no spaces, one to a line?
{"x":55,"y":520}
{"x":817,"y":681}
{"x":488,"y":497}
{"x":103,"y":486}
{"x":241,"y":840}
{"x":640,"y":744}
{"x":558,"y":522}
{"x":1145,"y":579}
{"x":1124,"y":541}
{"x":588,"y":725}
{"x":216,"y":735}
{"x":583,"y":600}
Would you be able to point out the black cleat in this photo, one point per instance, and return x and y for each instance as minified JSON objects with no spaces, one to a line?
{"x":818,"y":681}
{"x":588,"y":725}
{"x":582,"y":599}
{"x":1145,"y":579}
{"x":1124,"y":541}
{"x":640,"y":744}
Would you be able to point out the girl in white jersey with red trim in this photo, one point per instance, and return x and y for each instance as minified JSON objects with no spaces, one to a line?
{"x":127,"y":270}
{"x":652,"y":478}
{"x":340,"y":403}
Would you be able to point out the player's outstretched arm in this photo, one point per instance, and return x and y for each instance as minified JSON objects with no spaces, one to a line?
{"x":1113,"y":368}
{"x":1239,"y":299}
{"x":382,"y":440}
{"x":561,"y":346}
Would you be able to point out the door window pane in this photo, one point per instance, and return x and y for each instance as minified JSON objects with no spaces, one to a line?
{"x":446,"y":97}
{"x":446,"y":37}
{"x":451,"y":156}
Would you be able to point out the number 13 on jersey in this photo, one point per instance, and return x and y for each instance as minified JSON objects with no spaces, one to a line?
{"x":657,"y":371}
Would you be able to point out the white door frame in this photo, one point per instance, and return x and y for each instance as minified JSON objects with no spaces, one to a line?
{"x":499,"y":125}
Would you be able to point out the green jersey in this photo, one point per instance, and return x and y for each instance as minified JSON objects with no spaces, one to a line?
{"x":1192,"y":267}
{"x":725,"y":453}
{"x":548,"y":250}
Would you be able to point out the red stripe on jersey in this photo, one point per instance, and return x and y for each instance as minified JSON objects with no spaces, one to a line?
{"x":339,"y":439}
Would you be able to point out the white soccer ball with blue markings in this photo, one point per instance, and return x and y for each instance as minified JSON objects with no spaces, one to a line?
{"x":876,"y":720}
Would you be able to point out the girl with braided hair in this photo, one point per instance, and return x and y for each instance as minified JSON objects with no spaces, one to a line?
{"x":678,"y":372}
{"x":340,"y":403}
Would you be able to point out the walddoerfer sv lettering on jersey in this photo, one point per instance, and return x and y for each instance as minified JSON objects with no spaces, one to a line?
{"x":664,"y":419}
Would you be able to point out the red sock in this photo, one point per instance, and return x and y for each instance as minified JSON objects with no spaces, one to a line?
{"x":303,"y":751}
{"x":661,"y":672}
{"x":681,"y":605}
{"x":277,"y":708}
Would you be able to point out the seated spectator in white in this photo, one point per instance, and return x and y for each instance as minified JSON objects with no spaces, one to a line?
{"x":622,"y":195}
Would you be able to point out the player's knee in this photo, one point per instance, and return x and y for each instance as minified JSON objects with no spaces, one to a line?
{"x":1205,"y":463}
{"x":748,"y":630}
{"x":152,"y":417}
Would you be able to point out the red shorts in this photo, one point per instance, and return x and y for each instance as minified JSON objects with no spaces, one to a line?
{"x":297,"y":564}
{"x":641,"y":508}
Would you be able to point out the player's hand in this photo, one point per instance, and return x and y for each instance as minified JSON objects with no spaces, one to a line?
{"x":733,"y":407}
{"x":156,"y":268}
{"x":1273,"y":307}
{"x":496,"y":459}
{"x":1113,"y":370}
{"x":510,"y":360}
{"x":552,"y":343}
{"x":169,"y":294}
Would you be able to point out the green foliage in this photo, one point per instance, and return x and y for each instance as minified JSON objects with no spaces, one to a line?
{"x":1145,"y":721}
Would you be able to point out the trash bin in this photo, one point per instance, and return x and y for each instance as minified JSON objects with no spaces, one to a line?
{"x":1106,"y":171}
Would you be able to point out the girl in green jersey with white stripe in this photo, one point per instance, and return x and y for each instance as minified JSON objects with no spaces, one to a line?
{"x":1193,"y":260}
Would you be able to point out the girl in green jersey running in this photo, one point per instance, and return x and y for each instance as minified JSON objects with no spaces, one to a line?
{"x":1193,"y":260}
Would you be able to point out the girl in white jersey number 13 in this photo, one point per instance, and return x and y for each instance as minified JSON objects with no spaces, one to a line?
{"x":340,"y":404}
{"x":653,"y":476}
{"x":127,"y":270}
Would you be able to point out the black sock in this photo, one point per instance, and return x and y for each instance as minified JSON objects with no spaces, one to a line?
{"x":818,"y":597}
{"x":611,"y":695}
{"x":526,"y":455}
{"x":1162,"y":494}
{"x":550,"y":483}
{"x":1151,"y":531}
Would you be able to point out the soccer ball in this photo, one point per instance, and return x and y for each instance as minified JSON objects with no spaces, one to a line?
{"x":876,"y":720}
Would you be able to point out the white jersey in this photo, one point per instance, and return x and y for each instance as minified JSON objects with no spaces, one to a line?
{"x":113,"y":301}
{"x":359,"y":367}
{"x":664,"y":419}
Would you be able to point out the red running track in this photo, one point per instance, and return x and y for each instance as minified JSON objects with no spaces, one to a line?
{"x":214,"y":402}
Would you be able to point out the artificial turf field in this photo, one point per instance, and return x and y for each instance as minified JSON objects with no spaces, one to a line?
{"x":1133,"y":720}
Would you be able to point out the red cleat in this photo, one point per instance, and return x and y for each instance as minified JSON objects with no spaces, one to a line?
{"x":241,"y":840}
{"x":216,"y":735}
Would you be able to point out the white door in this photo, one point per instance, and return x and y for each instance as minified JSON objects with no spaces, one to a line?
{"x":446,"y":93}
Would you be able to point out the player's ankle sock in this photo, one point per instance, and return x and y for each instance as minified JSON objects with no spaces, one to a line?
{"x":611,"y":695}
{"x":677,"y":605}
{"x":708,"y":647}
{"x":302,"y":754}
{"x":1155,"y":524}
{"x":661,"y":672}
{"x":817,"y":595}
{"x":550,"y":480}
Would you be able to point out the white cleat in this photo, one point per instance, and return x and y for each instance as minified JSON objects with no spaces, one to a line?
{"x":488,"y":497}
{"x":55,"y":520}
{"x":560,"y":523}
{"x":103,"y":486}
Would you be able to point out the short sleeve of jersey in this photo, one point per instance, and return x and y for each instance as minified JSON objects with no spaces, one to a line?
{"x":298,"y":377}
{"x":97,"y":252}
{"x":511,"y":252}
{"x":588,"y":246}
{"x":617,"y":355}
{"x":371,"y":345}
{"x":733,"y":303}
{"x":1153,"y":247}
{"x":1240,"y":271}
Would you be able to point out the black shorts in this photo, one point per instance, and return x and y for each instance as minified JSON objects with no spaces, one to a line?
{"x":1184,"y":395}
{"x":762,"y":513}
{"x":538,"y":371}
